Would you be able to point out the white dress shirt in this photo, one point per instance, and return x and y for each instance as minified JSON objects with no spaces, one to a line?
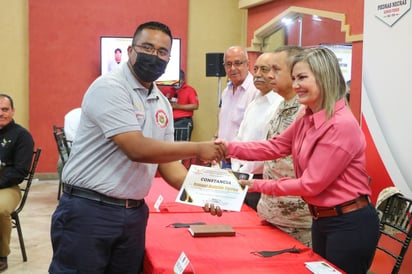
{"x":71,"y":123}
{"x":255,"y":126}
{"x":233,"y":106}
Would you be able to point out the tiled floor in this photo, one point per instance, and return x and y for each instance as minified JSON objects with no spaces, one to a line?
{"x":35,"y":221}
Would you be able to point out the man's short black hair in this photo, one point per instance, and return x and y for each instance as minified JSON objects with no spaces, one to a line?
{"x":8,"y":97}
{"x":152,"y":25}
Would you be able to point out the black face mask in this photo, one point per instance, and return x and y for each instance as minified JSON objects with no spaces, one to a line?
{"x":177,"y":86}
{"x":149,"y":67}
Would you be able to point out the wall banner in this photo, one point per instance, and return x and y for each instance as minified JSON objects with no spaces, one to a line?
{"x":386,"y":87}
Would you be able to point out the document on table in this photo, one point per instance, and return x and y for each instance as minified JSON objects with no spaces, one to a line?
{"x":213,"y":185}
{"x":321,"y":268}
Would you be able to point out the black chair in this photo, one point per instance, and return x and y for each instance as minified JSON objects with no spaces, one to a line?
{"x":25,"y":188}
{"x":395,"y":228}
{"x":63,"y":147}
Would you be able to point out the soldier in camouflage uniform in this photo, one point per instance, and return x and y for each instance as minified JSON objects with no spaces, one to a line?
{"x":288,"y":213}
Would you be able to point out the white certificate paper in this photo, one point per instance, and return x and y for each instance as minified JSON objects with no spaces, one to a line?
{"x":213,"y":185}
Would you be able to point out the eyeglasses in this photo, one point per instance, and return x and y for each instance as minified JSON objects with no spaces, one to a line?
{"x":161,"y":52}
{"x":236,"y":64}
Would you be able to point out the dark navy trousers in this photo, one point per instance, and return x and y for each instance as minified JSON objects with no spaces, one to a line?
{"x":349,"y":240}
{"x":92,"y":237}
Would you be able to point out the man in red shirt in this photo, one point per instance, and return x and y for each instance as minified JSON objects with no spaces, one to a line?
{"x":184,"y":101}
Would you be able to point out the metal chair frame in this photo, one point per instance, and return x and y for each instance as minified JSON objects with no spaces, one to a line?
{"x":396,"y":224}
{"x":63,"y":147}
{"x":25,"y":188}
{"x":179,"y":133}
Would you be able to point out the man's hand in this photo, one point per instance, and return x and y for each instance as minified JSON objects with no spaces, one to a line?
{"x":210,"y":151}
{"x":214,"y":210}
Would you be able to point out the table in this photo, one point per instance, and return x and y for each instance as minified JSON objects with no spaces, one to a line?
{"x":164,"y":243}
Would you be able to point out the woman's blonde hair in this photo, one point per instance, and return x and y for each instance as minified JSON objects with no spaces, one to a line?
{"x":325,"y":67}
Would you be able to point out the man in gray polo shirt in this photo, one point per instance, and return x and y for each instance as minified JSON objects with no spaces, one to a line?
{"x":125,"y":135}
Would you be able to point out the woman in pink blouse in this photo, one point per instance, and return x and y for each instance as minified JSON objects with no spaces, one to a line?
{"x":328,"y":149}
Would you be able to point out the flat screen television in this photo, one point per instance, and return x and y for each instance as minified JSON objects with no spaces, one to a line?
{"x":113,"y":52}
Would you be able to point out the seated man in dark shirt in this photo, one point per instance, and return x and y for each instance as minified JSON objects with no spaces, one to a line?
{"x":16,"y":152}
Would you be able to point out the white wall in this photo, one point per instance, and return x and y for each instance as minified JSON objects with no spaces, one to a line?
{"x":387,"y":86}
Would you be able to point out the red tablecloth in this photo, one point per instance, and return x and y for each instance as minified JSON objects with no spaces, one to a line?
{"x":164,"y":243}
{"x":221,"y":254}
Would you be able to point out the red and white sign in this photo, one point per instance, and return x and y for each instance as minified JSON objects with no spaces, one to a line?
{"x":390,"y":11}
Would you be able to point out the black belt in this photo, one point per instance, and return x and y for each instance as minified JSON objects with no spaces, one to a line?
{"x":95,"y":196}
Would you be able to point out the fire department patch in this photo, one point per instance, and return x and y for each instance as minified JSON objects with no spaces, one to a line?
{"x":161,"y":118}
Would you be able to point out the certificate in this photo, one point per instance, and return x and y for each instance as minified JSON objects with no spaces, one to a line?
{"x":213,"y":185}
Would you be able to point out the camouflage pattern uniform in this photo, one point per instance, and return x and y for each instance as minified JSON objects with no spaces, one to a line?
{"x":288,"y":213}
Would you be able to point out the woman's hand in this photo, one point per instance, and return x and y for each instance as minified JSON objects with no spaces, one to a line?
{"x":248,"y":183}
{"x":211,"y":151}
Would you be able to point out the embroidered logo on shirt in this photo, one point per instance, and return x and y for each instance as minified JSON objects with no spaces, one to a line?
{"x":161,"y":118}
{"x":4,"y":142}
{"x":139,"y":106}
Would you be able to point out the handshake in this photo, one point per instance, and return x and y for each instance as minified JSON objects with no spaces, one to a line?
{"x":216,"y":151}
{"x":212,"y":151}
